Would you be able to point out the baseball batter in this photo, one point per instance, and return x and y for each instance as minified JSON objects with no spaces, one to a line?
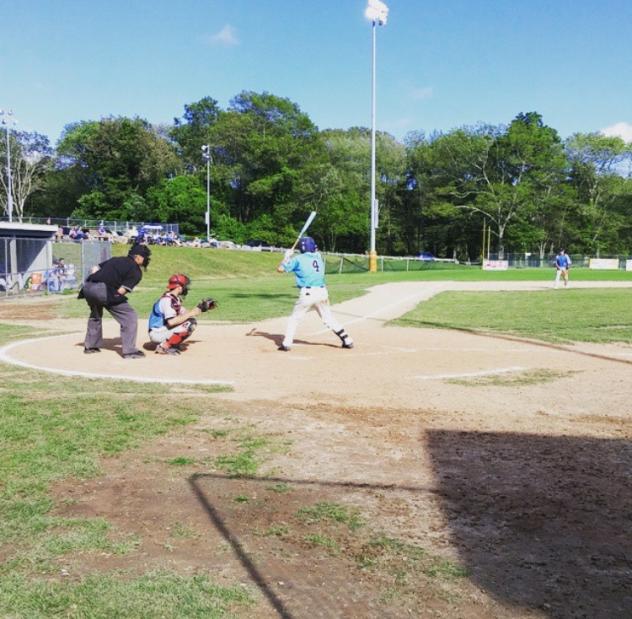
{"x":169,"y":322}
{"x":309,"y":269}
{"x":562,"y":265}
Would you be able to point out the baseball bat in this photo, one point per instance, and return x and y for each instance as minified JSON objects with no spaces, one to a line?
{"x":304,"y":228}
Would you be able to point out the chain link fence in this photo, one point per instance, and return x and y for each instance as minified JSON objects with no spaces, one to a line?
{"x":358,"y":263}
{"x":36,"y":266}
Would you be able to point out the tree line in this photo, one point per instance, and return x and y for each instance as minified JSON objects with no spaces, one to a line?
{"x":271,"y":166}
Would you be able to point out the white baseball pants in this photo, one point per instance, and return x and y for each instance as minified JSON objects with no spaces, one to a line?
{"x":309,"y":299}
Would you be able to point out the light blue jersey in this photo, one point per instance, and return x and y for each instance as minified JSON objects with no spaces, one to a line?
{"x":308,"y":268}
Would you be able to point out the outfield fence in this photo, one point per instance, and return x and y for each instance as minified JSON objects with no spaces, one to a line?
{"x":358,"y":263}
{"x":522,"y":260}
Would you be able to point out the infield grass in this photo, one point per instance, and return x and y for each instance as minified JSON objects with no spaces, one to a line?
{"x":588,"y":315}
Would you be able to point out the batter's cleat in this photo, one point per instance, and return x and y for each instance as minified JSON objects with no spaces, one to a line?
{"x":160,"y":350}
{"x":347,"y":344}
{"x":90,"y":351}
{"x":284,"y":348}
{"x":137,"y":354}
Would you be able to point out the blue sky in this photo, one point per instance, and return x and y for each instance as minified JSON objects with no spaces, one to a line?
{"x":440,"y":65}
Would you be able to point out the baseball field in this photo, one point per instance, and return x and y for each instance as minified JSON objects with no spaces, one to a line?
{"x":470,"y":457}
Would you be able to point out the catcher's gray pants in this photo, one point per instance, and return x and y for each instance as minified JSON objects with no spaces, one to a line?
{"x":96,"y":296}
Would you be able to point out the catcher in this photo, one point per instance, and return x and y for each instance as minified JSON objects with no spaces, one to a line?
{"x":169,"y":322}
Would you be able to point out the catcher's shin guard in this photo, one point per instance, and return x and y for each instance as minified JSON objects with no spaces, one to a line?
{"x":345,"y":338}
{"x":176,"y":339}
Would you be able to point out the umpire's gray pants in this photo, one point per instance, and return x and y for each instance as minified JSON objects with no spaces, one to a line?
{"x":96,"y":296}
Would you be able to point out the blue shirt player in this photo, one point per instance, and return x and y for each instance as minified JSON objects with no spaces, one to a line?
{"x":562,"y":265}
{"x":309,"y":269}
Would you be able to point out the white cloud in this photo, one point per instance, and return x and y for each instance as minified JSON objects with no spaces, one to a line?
{"x":420,"y":94}
{"x":622,"y":130}
{"x":226,"y":37}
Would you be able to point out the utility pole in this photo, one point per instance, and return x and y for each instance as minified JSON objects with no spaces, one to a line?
{"x":206,"y":155}
{"x":377,"y":12}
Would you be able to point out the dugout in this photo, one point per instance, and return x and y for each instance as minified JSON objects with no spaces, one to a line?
{"x":25,"y":249}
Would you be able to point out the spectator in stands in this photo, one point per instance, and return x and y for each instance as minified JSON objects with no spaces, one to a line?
{"x":55,"y":278}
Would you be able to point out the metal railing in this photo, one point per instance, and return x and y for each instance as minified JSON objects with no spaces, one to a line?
{"x":94,"y":224}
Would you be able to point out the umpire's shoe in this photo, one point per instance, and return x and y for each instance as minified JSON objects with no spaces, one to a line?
{"x":90,"y":351}
{"x":137,"y":354}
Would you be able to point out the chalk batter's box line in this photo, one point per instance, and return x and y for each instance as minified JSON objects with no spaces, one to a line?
{"x":4,"y":356}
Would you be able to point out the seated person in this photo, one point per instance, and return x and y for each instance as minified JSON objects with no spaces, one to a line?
{"x":55,"y":276}
{"x":169,"y":322}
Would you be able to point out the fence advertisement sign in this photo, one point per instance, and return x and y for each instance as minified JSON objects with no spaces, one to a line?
{"x":495,"y":265}
{"x":604,"y":263}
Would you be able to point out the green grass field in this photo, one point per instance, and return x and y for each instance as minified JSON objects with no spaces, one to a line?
{"x":54,"y":428}
{"x":44,"y":440}
{"x":599,"y":315}
{"x":248,"y":289}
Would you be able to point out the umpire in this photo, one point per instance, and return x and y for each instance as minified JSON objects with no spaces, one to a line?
{"x":107,"y":287}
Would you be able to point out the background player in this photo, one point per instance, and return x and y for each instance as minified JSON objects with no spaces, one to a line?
{"x":309,"y":269}
{"x":169,"y":322}
{"x":562,"y":265}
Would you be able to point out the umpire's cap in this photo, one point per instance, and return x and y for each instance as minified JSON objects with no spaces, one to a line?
{"x":141,"y":250}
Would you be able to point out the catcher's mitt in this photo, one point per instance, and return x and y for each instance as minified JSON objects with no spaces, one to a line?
{"x":207,"y":304}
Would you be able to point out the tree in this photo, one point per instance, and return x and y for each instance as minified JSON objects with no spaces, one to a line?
{"x":596,"y":162}
{"x":112,"y":160}
{"x":180,"y":199}
{"x":31,"y":157}
{"x":499,"y":172}
{"x":193,"y":130}
{"x":268,"y":160}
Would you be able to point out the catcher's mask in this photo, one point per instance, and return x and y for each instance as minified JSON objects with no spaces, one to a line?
{"x":307,"y":245}
{"x":179,"y":279}
{"x":141,"y":250}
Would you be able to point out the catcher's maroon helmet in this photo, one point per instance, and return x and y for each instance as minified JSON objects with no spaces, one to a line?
{"x":179,"y":279}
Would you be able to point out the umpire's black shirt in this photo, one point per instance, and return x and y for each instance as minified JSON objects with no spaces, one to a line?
{"x":117,"y":272}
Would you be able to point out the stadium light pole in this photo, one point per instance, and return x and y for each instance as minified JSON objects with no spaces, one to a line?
{"x":377,"y":12}
{"x":206,"y":155}
{"x":6,"y":120}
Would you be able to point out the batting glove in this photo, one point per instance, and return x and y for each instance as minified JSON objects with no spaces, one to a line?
{"x":288,"y":255}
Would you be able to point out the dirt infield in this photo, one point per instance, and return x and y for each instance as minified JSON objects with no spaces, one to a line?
{"x":424,"y":473}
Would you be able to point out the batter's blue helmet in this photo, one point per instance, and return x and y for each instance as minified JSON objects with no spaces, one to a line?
{"x":307,"y":245}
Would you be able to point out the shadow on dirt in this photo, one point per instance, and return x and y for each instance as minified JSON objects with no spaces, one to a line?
{"x":541,"y":522}
{"x":277,"y":338}
{"x":295,"y":578}
{"x":108,"y":343}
